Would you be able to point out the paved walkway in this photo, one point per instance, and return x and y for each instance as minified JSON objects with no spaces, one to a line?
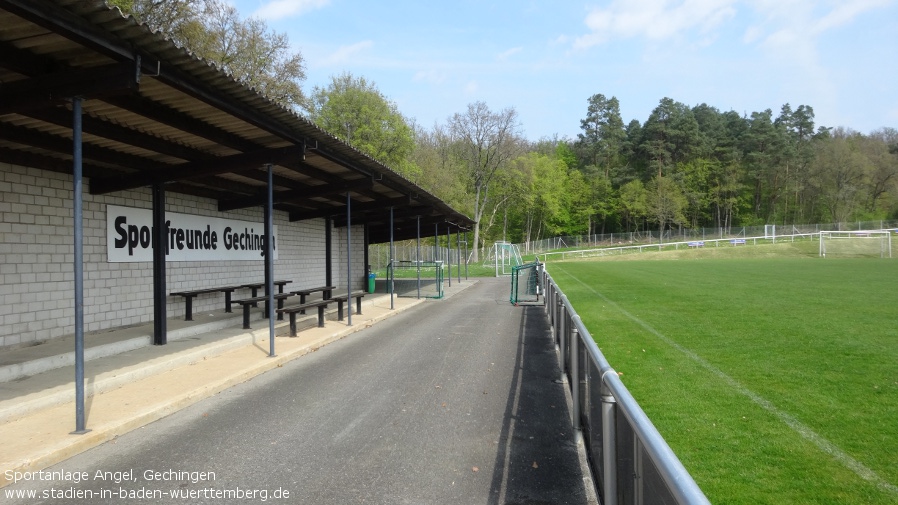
{"x":134,"y":388}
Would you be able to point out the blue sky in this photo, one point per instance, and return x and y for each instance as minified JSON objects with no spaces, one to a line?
{"x":546,"y":58}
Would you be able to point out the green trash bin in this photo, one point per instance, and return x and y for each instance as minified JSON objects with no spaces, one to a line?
{"x":371,"y":277}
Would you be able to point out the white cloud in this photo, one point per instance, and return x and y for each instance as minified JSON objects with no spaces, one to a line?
{"x":278,"y":9}
{"x":346,"y":53}
{"x":431,"y":76}
{"x":471,"y":88}
{"x":509,"y":53}
{"x":653,"y":19}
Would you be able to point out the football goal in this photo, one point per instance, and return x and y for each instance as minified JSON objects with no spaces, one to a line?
{"x":856,"y":244}
{"x":416,"y":278}
{"x":525,"y":283}
{"x":503,"y":256}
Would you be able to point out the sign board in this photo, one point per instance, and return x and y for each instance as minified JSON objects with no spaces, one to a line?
{"x":129,"y":234}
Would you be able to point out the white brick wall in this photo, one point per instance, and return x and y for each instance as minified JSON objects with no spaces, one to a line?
{"x":36,"y":271}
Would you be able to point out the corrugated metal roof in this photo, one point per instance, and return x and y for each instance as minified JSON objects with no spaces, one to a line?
{"x":154,"y":113}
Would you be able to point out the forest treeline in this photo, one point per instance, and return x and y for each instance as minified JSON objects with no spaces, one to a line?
{"x":683,"y":166}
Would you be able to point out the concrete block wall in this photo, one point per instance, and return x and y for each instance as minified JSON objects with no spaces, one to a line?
{"x":36,"y":259}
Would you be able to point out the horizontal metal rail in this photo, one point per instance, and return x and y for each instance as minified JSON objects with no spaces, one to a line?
{"x":630,"y":461}
{"x":726,"y":242}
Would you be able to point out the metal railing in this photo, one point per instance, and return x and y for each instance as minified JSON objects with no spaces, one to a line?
{"x":665,"y":246}
{"x":650,"y":237}
{"x":630,"y":461}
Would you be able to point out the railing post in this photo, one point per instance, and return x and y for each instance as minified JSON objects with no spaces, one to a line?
{"x":560,"y":336}
{"x":609,"y":446}
{"x":575,"y":380}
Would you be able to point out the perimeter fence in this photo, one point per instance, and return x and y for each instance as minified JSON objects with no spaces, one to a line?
{"x":655,"y":237}
{"x":459,"y":252}
{"x":630,"y":461}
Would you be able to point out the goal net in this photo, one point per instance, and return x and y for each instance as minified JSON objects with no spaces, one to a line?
{"x":414,"y":278}
{"x":525,"y":283}
{"x":503,"y":256}
{"x":856,"y":244}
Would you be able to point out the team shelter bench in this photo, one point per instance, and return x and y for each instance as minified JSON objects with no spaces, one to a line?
{"x":301,"y":309}
{"x":256,"y":286}
{"x":696,"y":244}
{"x":345,"y":297}
{"x":189,"y":295}
{"x":248,"y":303}
{"x":303,"y":293}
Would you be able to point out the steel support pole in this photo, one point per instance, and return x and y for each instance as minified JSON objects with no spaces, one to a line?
{"x":348,"y":258}
{"x":466,"y":255}
{"x":391,"y":273}
{"x":418,"y":257}
{"x":78,"y":213}
{"x":458,"y":252}
{"x":160,"y":329}
{"x":328,"y":252}
{"x":269,"y":260}
{"x":449,"y":254}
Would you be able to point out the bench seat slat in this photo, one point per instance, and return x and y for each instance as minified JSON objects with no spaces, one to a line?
{"x":292,"y":310}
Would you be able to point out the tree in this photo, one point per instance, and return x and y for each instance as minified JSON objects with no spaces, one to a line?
{"x":665,"y":202}
{"x":247,"y":49}
{"x":632,"y":202}
{"x":603,"y":133}
{"x":838,"y":175}
{"x":763,"y":144}
{"x":355,"y":111}
{"x":670,"y":136}
{"x":486,"y":141}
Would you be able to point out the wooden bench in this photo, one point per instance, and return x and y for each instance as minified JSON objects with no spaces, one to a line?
{"x":303,"y":293}
{"x":189,"y":295}
{"x":738,"y":241}
{"x":345,"y":297}
{"x":301,"y":309}
{"x":696,"y":244}
{"x":248,"y":303}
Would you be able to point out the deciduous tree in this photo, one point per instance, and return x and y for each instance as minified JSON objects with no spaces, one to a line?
{"x":485,"y":142}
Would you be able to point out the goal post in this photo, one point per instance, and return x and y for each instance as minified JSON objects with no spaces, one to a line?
{"x":416,"y":278}
{"x":856,"y":244}
{"x":503,"y":256}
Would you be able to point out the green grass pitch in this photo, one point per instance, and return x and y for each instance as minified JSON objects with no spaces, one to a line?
{"x":774,"y":380}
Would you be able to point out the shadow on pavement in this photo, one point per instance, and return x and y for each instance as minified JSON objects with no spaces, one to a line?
{"x":537,"y":461}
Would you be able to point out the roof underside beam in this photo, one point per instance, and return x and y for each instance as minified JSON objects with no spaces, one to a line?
{"x":194,"y":170}
{"x":294,"y":195}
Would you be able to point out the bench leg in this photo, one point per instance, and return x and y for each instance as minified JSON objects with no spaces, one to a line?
{"x":293,"y":324}
{"x":302,"y":300}
{"x":246,"y":308}
{"x":188,"y":314}
{"x":339,"y":310}
{"x":227,"y":301}
{"x":321,"y":315}
{"x":255,"y":292}
{"x":280,"y":306}
{"x":358,"y":305}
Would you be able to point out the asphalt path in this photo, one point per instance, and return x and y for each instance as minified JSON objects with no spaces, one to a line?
{"x":452,"y":402}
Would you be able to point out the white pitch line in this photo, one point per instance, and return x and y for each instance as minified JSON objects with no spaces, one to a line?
{"x":806,"y":432}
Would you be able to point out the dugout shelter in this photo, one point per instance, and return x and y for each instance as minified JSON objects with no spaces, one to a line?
{"x":117,"y":147}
